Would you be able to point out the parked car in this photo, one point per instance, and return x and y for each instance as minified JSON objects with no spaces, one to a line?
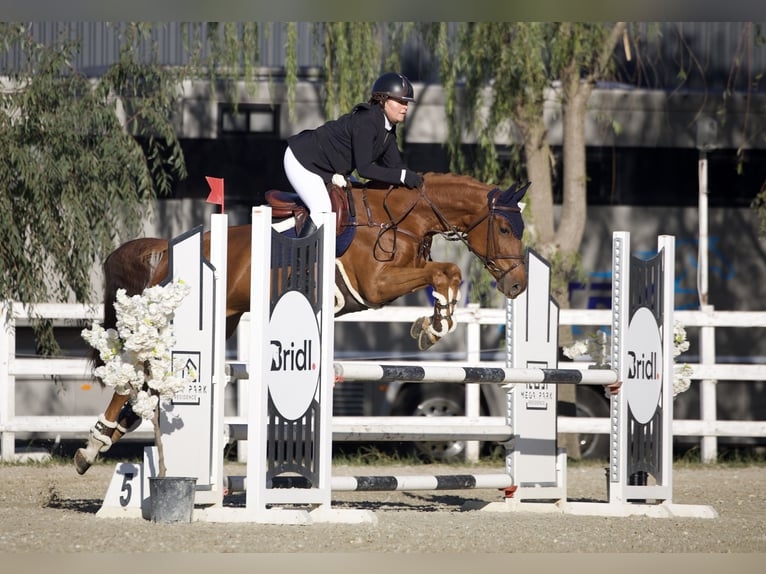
{"x":403,"y":398}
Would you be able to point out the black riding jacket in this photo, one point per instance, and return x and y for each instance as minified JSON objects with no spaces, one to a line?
{"x":357,"y":140}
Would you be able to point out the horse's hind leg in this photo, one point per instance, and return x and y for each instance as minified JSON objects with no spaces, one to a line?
{"x":103,"y":434}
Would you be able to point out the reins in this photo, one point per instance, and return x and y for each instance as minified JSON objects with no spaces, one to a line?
{"x":392,"y":225}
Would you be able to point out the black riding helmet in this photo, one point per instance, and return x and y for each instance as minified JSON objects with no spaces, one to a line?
{"x":393,"y":85}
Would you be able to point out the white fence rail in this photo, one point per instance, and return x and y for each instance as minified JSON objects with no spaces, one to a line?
{"x":18,"y":370}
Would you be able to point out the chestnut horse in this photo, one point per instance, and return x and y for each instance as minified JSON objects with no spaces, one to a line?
{"x":388,"y":257}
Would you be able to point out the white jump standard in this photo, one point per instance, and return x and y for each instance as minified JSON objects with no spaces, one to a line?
{"x":291,"y":372}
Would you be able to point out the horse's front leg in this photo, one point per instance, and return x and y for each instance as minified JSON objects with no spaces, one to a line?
{"x":109,"y":427}
{"x":445,"y":279}
{"x":393,"y":282}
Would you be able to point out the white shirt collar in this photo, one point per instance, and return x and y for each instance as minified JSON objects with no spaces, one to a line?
{"x":388,"y":123}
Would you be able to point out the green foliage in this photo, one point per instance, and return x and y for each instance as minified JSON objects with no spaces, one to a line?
{"x":355,"y":54}
{"x":759,"y":205}
{"x":501,"y":69}
{"x":497,"y":77}
{"x":74,"y":175}
{"x":224,"y":53}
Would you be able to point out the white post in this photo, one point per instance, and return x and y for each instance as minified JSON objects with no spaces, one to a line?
{"x":708,"y":410}
{"x":706,"y":136}
{"x":666,"y":244}
{"x":260,"y":275}
{"x":243,"y":346}
{"x":219,"y":239}
{"x":618,"y":404}
{"x":327,"y":376}
{"x":702,"y":256}
{"x":472,"y":390}
{"x":7,"y":384}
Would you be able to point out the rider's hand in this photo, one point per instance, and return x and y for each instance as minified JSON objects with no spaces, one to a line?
{"x":412,"y":179}
{"x":339,"y":180}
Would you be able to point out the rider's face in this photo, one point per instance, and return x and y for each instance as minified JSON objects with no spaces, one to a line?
{"x":395,"y":110}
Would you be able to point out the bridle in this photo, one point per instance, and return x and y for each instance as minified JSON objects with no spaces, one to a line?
{"x":493,"y":212}
{"x":492,"y":256}
{"x":452,"y":233}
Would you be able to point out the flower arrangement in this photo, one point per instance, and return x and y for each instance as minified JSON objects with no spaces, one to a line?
{"x":596,"y":347}
{"x":681,"y":373}
{"x":137,"y":354}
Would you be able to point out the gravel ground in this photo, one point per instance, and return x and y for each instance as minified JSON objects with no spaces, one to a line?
{"x":49,"y":508}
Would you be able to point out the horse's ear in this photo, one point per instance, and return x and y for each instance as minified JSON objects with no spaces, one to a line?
{"x":516,"y":191}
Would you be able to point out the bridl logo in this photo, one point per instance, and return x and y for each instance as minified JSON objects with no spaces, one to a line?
{"x":291,"y":358}
{"x":643,"y":365}
{"x":294,"y":355}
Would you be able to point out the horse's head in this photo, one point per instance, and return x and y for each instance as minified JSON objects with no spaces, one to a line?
{"x":496,"y":239}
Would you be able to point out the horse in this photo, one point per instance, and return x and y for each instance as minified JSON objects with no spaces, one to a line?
{"x":389,"y":256}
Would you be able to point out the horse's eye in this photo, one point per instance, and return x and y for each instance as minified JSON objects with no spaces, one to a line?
{"x":505,"y":230}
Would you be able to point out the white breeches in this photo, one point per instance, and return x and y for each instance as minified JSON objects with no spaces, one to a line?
{"x":308,"y":185}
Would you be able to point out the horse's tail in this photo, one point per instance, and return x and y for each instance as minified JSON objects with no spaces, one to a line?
{"x":133,"y":266}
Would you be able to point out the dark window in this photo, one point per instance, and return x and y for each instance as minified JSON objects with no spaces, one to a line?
{"x":248,"y":119}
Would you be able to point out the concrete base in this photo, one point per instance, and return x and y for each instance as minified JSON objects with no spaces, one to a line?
{"x":321,"y":514}
{"x":117,"y":512}
{"x":662,"y":510}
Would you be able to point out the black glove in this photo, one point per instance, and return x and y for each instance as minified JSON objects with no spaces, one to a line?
{"x":412,"y":179}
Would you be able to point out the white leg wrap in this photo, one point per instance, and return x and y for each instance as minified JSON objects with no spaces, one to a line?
{"x":106,"y":423}
{"x":440,"y":334}
{"x":96,"y":434}
{"x":440,"y":298}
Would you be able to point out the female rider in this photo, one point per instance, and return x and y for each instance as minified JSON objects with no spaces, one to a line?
{"x":364,"y":139}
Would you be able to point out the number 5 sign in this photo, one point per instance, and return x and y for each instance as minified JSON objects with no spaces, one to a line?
{"x":123,"y":497}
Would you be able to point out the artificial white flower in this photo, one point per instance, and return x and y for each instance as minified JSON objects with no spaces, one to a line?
{"x":137,"y":354}
{"x":577,"y":349}
{"x":144,"y":403}
{"x":596,"y":346}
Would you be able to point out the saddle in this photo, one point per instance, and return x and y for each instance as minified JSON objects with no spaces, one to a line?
{"x":288,"y":204}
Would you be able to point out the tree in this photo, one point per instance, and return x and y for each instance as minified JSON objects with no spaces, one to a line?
{"x":508,"y":71}
{"x":81,"y":160}
{"x":84,"y":158}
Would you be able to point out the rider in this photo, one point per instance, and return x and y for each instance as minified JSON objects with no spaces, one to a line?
{"x":364,"y":139}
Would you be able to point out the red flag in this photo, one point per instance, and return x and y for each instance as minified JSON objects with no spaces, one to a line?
{"x":216,"y":191}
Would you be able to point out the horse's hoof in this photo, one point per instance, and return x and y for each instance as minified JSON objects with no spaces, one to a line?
{"x":81,"y":462}
{"x":424,"y":341}
{"x":417,"y":328}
